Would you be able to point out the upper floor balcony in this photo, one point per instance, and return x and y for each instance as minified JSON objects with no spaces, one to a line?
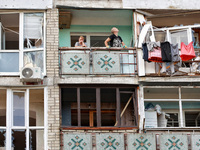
{"x":98,"y":61}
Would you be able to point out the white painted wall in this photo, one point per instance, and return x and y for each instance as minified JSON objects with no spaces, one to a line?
{"x":99,"y":17}
{"x":26,"y":4}
{"x":90,"y":3}
{"x":161,"y":4}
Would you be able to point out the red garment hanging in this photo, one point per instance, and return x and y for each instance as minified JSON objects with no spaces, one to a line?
{"x":155,"y":55}
{"x":187,"y":51}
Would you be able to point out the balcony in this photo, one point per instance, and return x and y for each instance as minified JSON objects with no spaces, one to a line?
{"x":98,"y":61}
{"x":172,"y":69}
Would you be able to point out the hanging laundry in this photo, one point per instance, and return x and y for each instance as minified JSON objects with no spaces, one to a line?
{"x":155,"y":55}
{"x":151,"y":45}
{"x":175,"y":53}
{"x":145,"y":52}
{"x":166,"y":52}
{"x":187,"y":51}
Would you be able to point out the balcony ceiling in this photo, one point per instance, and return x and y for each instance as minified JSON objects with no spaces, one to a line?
{"x":101,"y":17}
{"x":169,"y":18}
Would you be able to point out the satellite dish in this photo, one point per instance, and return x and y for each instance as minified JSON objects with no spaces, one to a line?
{"x":27,"y":72}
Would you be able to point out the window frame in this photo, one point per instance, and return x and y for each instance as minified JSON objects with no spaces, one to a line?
{"x":88,"y":36}
{"x":180,"y":111}
{"x":9,"y":116}
{"x":21,"y":49}
{"x":99,"y":110}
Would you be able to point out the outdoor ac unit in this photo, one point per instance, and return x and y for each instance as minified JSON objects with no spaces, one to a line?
{"x":31,"y":74}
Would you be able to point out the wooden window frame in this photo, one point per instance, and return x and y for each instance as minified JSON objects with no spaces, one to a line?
{"x":99,"y":111}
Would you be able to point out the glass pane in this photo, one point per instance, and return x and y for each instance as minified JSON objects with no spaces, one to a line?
{"x":9,"y":62}
{"x":195,"y":37}
{"x":161,"y":93}
{"x":160,"y":36}
{"x":75,"y":39}
{"x":190,"y":93}
{"x":2,"y":107}
{"x":108,"y":106}
{"x":33,"y":30}
{"x":190,"y":105}
{"x":178,"y":37}
{"x":192,"y":113}
{"x":161,"y":114}
{"x":36,"y":139}
{"x":172,"y":121}
{"x":18,"y":139}
{"x":97,"y":41}
{"x":192,"y":119}
{"x":34,"y":59}
{"x":2,"y":138}
{"x":69,"y":107}
{"x":127,"y":66}
{"x":18,"y":109}
{"x":9,"y":30}
{"x":36,"y":107}
{"x":88,"y":106}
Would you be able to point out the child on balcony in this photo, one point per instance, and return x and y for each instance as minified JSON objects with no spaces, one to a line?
{"x":114,"y":39}
{"x":81,"y":42}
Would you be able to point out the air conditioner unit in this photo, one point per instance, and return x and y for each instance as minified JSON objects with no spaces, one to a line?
{"x":31,"y":74}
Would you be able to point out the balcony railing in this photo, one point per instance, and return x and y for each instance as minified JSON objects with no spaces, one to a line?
{"x":98,"y":61}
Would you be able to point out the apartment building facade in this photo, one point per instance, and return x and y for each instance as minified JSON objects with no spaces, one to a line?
{"x":96,"y":97}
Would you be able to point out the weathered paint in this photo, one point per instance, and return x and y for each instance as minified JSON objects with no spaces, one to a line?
{"x":161,"y":4}
{"x":90,"y":3}
{"x":28,"y":4}
{"x":64,"y":34}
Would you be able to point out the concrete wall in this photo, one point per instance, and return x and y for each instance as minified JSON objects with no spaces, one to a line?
{"x":161,"y":4}
{"x":90,"y":3}
{"x":28,"y":4}
{"x":131,"y":4}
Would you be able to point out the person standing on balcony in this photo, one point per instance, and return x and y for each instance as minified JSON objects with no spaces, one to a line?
{"x":81,"y":42}
{"x":114,"y":39}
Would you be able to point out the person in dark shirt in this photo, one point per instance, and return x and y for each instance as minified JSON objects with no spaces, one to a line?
{"x":114,"y":39}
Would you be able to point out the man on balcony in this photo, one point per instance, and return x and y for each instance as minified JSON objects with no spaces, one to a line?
{"x":114,"y":39}
{"x":81,"y":42}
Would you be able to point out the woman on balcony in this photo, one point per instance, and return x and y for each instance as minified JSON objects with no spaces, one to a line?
{"x":81,"y":42}
{"x":114,"y":39}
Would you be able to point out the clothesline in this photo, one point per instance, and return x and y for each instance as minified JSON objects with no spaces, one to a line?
{"x":166,"y":52}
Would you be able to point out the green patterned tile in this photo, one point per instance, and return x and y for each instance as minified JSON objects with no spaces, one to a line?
{"x":106,"y":63}
{"x":75,"y":63}
{"x":77,"y":142}
{"x":110,"y":141}
{"x":195,"y":142}
{"x":141,"y":142}
{"x":173,"y":142}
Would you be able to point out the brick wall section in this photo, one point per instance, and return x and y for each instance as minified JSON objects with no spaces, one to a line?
{"x":53,"y":72}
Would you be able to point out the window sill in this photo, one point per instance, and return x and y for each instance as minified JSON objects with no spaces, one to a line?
{"x":99,"y":128}
{"x":171,"y":128}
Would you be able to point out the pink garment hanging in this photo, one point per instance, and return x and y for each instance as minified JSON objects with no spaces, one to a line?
{"x":187,"y":51}
{"x":155,"y":55}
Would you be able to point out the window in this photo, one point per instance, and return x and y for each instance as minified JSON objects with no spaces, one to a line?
{"x":173,"y":107}
{"x":22,"y":42}
{"x":167,"y":116}
{"x":179,"y":36}
{"x":92,"y":39}
{"x":99,"y":107}
{"x":24,"y":121}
